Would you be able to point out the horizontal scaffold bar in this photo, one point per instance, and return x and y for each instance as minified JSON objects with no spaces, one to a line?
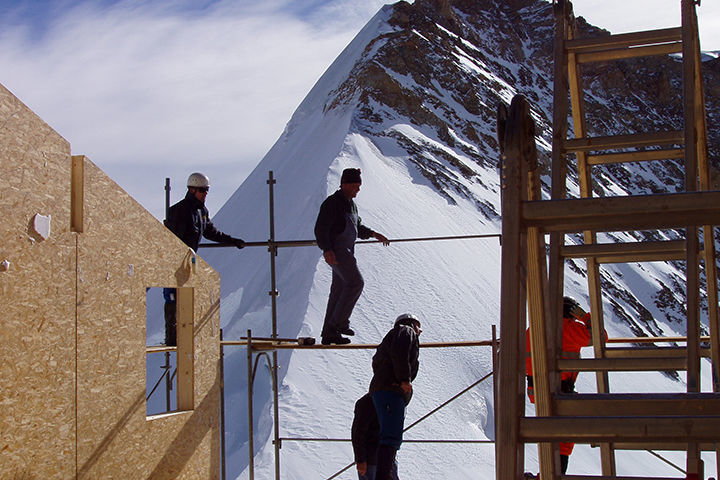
{"x":636,"y":212}
{"x":310,"y":439}
{"x":272,"y":345}
{"x":310,"y":243}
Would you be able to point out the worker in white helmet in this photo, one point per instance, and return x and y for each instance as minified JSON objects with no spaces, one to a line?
{"x":189,"y":220}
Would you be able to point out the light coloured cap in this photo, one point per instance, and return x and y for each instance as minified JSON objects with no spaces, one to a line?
{"x":198,"y":179}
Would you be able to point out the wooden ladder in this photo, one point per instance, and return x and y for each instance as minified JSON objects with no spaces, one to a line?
{"x":685,"y":421}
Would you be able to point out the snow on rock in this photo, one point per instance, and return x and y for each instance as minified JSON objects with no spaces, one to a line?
{"x":411,"y":101}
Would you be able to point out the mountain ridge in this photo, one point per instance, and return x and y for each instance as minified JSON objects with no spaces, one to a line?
{"x":411,"y":101}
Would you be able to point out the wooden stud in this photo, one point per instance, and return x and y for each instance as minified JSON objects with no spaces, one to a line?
{"x":185,"y":349}
{"x":649,"y":37}
{"x":638,"y":156}
{"x":676,"y":210}
{"x":588,"y":144}
{"x":77,"y":193}
{"x":627,"y":252}
{"x":620,"y":429}
{"x":622,"y":364}
{"x":624,"y":53}
{"x":617,"y":405}
{"x":509,"y":451}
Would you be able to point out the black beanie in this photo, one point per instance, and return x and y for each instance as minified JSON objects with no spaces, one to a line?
{"x":350,"y":175}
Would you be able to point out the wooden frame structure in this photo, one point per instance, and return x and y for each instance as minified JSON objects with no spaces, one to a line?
{"x":687,"y":421}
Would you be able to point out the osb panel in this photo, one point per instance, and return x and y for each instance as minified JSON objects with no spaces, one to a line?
{"x":37,"y":338}
{"x":122,"y":251}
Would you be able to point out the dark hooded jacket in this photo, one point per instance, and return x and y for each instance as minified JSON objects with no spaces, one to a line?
{"x":331,"y":220}
{"x":396,"y":359}
{"x":189,"y":220}
{"x":365,"y":433}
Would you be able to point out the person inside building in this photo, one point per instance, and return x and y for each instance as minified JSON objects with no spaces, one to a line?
{"x":336,"y":229}
{"x":576,"y":333}
{"x":395,"y":366}
{"x":189,"y":220}
{"x":365,"y":435}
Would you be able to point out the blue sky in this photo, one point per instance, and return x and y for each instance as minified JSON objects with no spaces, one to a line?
{"x":150,"y":89}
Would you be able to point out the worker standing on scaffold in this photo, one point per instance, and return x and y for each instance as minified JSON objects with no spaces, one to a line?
{"x":189,"y":220}
{"x":576,"y":333}
{"x":336,"y":229}
{"x":395,"y":366}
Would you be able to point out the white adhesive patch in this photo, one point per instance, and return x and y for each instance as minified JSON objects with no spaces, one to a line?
{"x":41,"y":225}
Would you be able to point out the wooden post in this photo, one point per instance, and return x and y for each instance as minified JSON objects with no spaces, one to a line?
{"x":77,"y":193}
{"x":509,"y":450}
{"x":185,"y":349}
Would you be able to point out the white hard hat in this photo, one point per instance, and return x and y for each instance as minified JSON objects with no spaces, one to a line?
{"x":198,"y":180}
{"x":406,"y":316}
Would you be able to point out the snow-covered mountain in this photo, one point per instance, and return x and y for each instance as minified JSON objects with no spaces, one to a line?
{"x":411,"y":101}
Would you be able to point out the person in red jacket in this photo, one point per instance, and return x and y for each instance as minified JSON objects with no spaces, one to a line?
{"x":576,"y":333}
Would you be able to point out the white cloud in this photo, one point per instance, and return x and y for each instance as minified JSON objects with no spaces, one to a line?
{"x":147,"y":92}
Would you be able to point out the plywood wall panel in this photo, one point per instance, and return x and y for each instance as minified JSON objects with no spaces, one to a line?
{"x":72,"y":342}
{"x":122,"y":251}
{"x":37,"y":338}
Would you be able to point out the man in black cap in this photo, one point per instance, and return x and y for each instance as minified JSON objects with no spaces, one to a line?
{"x":337,"y":228}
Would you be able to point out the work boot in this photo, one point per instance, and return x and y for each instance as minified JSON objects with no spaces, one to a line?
{"x":334,"y":340}
{"x":348,"y":331}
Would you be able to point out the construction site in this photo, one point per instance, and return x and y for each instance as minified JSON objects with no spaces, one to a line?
{"x":76,"y":280}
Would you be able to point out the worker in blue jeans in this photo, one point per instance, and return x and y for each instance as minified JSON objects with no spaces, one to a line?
{"x":365,"y":435}
{"x":395,"y":366}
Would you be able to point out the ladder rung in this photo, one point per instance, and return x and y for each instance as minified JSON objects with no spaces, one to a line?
{"x":642,"y":156}
{"x":637,"y":212}
{"x":622,"y":53}
{"x":623,"y":404}
{"x":624,"y":40}
{"x":651,"y":352}
{"x":622,"y":364}
{"x":620,"y":429}
{"x":588,"y":144}
{"x":627,"y":252}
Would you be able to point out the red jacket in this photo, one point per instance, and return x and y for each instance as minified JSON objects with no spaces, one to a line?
{"x":575,"y":335}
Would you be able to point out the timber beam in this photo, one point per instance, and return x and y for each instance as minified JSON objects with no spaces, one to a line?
{"x":638,"y":212}
{"x":620,"y":429}
{"x":624,"y":404}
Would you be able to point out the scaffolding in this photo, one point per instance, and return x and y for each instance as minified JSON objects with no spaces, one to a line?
{"x":266,"y":348}
{"x":669,"y":421}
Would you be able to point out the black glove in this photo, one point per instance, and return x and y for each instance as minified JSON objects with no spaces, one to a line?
{"x":238,"y":242}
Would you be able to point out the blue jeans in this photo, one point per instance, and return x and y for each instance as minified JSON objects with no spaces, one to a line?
{"x":390,"y":408}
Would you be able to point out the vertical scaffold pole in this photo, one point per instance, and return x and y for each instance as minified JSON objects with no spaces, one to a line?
{"x":272,"y":249}
{"x":222,"y":407}
{"x":251,"y":432}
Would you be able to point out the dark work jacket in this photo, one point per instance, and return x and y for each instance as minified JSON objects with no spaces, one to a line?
{"x":331,"y":220}
{"x":189,"y":220}
{"x":365,"y":432}
{"x":396,"y":359}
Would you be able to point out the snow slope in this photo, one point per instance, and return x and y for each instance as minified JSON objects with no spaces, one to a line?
{"x":421,"y":177}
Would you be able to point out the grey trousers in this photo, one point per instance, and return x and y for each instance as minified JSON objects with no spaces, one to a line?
{"x":347,"y":285}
